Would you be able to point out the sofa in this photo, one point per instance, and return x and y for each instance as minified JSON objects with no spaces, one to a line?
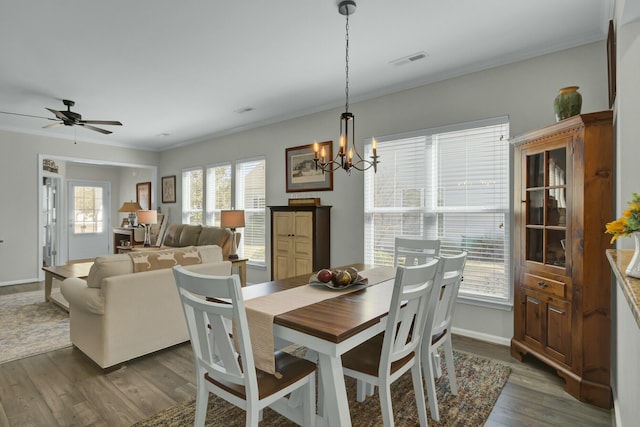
{"x":129,"y":306}
{"x":181,"y":235}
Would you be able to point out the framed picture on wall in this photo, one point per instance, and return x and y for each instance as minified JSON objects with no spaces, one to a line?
{"x":301,"y":172}
{"x":143,"y":195}
{"x":169,"y":189}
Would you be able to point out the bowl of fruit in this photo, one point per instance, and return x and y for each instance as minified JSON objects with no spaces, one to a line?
{"x":337,"y":278}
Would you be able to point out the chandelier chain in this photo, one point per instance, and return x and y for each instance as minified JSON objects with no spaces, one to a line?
{"x":346,"y":68}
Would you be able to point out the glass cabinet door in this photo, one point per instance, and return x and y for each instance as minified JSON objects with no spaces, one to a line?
{"x":546,"y":207}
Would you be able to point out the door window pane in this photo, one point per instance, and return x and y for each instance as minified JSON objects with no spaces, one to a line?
{"x":88,"y":210}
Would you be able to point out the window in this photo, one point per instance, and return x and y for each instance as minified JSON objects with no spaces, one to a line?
{"x":450,"y":184}
{"x":88,"y":210}
{"x":229,"y":187}
{"x":250,"y":196}
{"x":218,"y":192}
{"x":192,"y":196}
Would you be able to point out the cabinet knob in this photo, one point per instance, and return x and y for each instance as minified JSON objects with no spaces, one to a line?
{"x":542,"y":284}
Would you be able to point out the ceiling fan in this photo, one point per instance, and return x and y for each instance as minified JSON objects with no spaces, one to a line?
{"x":70,"y":118}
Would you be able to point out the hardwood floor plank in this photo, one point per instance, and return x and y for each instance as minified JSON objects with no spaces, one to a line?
{"x":21,"y":399}
{"x":59,"y":394}
{"x":148,"y":398}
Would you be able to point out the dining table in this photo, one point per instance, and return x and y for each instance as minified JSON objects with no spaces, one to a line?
{"x":332,"y":327}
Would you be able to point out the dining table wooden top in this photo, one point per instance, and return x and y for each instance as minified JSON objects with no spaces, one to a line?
{"x":335,"y":319}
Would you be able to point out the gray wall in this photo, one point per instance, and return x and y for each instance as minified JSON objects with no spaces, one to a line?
{"x":20,"y":187}
{"x":524,"y":90}
{"x":625,"y":370}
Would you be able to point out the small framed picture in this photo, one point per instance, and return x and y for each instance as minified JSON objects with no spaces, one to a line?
{"x":169,"y":189}
{"x":302,"y":174}
{"x":143,"y":195}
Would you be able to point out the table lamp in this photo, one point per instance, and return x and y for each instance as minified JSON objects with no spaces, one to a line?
{"x":147,"y":218}
{"x":232,"y":219}
{"x":132,"y":208}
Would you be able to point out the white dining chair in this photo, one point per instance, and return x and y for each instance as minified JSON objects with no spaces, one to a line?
{"x":411,"y":251}
{"x":210,"y":304}
{"x":438,"y":327}
{"x":384,"y":358}
{"x":407,"y":251}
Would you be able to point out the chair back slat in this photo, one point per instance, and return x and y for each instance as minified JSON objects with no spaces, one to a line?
{"x":410,"y":251}
{"x":211,"y":305}
{"x":407,"y":313}
{"x":444,"y":297}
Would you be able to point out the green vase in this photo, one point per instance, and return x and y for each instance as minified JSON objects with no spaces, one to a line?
{"x":568,"y":103}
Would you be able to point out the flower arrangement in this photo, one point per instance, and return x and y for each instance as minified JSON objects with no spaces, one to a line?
{"x":628,"y":223}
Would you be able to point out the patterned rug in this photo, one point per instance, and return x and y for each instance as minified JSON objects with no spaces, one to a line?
{"x":480,"y":382}
{"x":31,"y":326}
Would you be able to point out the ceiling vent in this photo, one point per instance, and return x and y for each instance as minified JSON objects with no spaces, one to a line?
{"x":244,"y":110}
{"x":410,"y":58}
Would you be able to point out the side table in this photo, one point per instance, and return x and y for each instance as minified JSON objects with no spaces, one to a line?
{"x":241,"y":265}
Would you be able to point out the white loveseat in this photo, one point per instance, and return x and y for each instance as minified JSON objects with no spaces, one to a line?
{"x":117,"y":314}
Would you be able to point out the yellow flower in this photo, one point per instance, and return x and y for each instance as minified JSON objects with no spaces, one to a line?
{"x":628,"y":223}
{"x":616,"y":226}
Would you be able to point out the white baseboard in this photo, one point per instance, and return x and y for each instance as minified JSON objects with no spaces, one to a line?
{"x":616,"y":411}
{"x":20,"y":282}
{"x":482,"y":336}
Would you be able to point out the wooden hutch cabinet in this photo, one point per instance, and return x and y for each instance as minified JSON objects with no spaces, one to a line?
{"x":563,"y":199}
{"x":300,"y":240}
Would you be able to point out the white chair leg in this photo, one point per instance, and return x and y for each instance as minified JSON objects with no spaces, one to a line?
{"x":253,"y":417}
{"x":451,"y":368}
{"x":385,"y":405}
{"x":431,"y":387}
{"x":370,"y":389}
{"x":361,"y":390}
{"x":202,"y":399}
{"x":437,"y":367}
{"x":416,"y":376}
{"x":309,"y":414}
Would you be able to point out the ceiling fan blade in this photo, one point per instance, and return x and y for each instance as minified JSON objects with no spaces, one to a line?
{"x":106,"y":132}
{"x":102,"y":122}
{"x":27,"y":115}
{"x":53,"y":125}
{"x":59,"y":114}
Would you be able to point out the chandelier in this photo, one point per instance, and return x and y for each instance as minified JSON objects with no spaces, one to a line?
{"x":347,"y":157}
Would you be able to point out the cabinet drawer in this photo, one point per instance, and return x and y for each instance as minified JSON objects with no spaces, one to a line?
{"x":545,"y":285}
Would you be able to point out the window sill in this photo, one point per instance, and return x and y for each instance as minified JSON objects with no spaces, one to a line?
{"x":257,"y":265}
{"x":493,"y":304}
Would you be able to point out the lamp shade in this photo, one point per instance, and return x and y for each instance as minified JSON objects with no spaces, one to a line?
{"x":148,"y":217}
{"x":232,"y":219}
{"x":130,"y":207}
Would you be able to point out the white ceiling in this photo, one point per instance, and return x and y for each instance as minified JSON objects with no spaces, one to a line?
{"x":184,"y":68}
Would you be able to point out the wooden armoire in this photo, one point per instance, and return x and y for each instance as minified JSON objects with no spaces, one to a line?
{"x":563,"y":199}
{"x":300,"y":240}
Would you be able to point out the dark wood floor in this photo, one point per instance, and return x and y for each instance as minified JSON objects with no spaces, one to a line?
{"x":65,"y":388}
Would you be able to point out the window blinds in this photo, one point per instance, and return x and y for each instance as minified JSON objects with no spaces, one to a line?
{"x":192,"y":196}
{"x":218,"y":192}
{"x":250,"y":196}
{"x":450,"y":184}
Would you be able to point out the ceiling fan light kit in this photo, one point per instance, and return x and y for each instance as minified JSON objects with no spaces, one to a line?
{"x":71,"y":118}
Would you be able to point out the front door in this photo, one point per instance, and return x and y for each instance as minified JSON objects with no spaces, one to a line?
{"x":88,"y":209}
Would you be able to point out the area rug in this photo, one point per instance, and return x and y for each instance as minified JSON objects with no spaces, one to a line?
{"x":31,"y":326}
{"x":480,"y":382}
